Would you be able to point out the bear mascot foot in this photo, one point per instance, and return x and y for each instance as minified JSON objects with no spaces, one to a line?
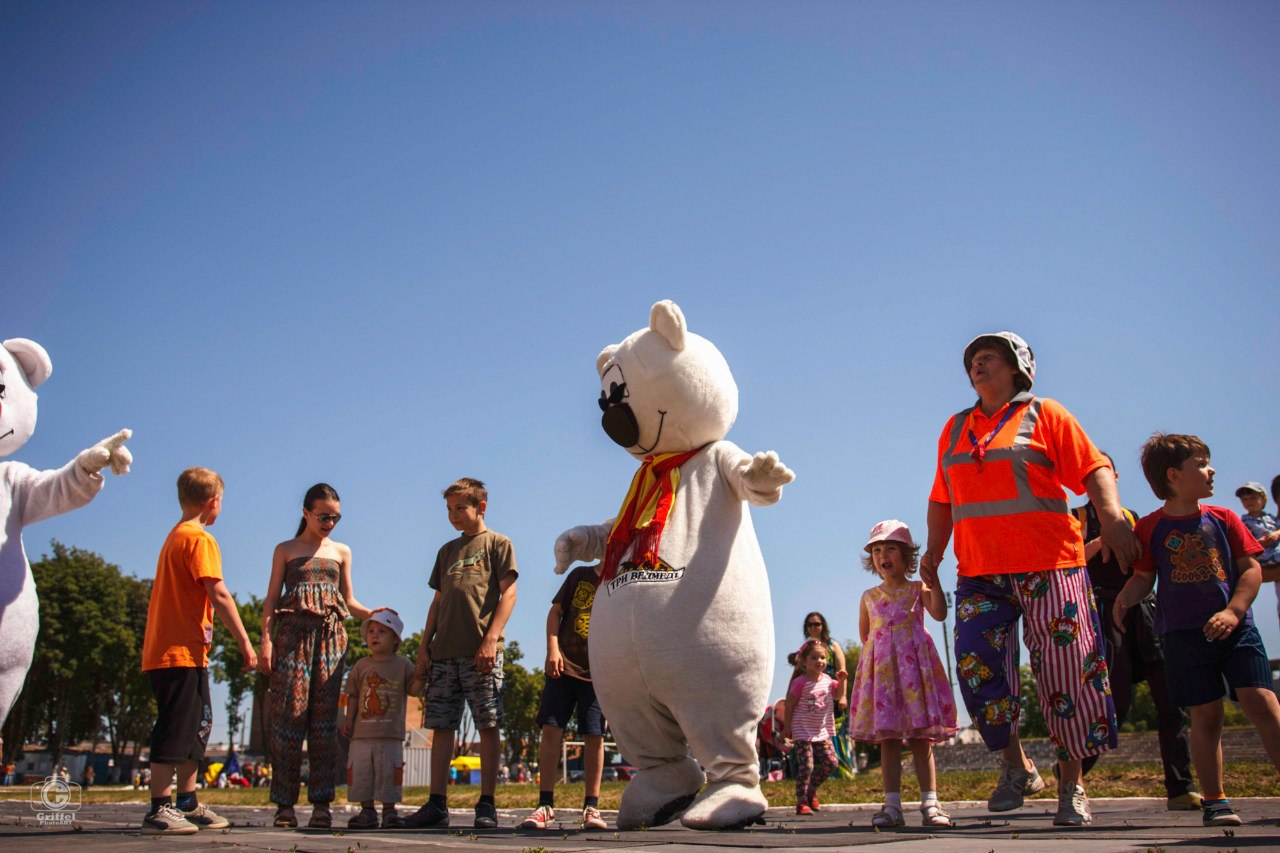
{"x":726,"y":805}
{"x":658,"y":795}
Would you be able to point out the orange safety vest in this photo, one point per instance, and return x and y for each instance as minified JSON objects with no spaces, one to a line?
{"x":1010,"y":513}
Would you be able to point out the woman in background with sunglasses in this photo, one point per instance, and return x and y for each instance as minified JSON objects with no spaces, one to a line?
{"x":304,"y":648}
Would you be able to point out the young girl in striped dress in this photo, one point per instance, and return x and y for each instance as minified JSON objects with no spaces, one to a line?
{"x":810,"y":722}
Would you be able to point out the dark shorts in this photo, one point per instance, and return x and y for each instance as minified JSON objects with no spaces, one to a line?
{"x":184,"y":714}
{"x":560,"y":696}
{"x":453,"y":681}
{"x":1202,"y":671}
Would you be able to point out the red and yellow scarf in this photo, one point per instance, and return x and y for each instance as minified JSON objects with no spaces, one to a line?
{"x":644,"y":511}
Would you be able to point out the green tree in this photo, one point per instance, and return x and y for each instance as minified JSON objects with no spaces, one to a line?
{"x":130,"y":706}
{"x":227,"y":664}
{"x":1031,"y":720}
{"x":521,"y":693}
{"x":82,"y":644}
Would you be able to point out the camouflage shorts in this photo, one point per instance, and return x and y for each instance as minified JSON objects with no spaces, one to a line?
{"x":454,"y":679}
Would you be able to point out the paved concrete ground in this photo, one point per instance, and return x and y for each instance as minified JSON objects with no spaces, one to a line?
{"x":1119,"y":825}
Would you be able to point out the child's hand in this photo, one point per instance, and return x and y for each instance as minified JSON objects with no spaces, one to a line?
{"x":1221,"y":625}
{"x":555,"y":664}
{"x":416,"y":687}
{"x":929,"y":563}
{"x":842,"y":676}
{"x":1118,"y":612}
{"x":348,"y":726}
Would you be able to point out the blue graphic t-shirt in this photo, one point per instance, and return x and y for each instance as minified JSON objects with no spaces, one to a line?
{"x":1194,"y":557}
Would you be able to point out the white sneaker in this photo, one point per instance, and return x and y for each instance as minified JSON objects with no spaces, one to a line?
{"x":204,"y":817}
{"x":1014,"y":785}
{"x":541,"y":818}
{"x":167,"y":820}
{"x":591,"y":819}
{"x":1073,"y":807}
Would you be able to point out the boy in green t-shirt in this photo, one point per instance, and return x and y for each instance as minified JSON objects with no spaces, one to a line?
{"x":474,"y":579}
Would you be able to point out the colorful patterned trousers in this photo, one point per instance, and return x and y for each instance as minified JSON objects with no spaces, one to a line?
{"x":815,"y":762}
{"x":306,"y":680}
{"x":1061,"y":628}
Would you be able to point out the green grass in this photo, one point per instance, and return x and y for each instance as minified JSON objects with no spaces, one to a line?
{"x":1243,"y":779}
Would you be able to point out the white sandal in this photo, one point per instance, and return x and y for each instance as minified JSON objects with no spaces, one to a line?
{"x":888,"y":816}
{"x":933,"y":815}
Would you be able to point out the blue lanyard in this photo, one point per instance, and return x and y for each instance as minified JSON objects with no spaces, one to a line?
{"x":979,"y":451}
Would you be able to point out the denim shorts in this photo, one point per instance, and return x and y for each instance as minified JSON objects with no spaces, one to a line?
{"x":560,"y":696}
{"x":1201,"y":670}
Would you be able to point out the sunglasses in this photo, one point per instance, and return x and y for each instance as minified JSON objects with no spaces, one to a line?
{"x":328,"y":517}
{"x":813,"y":624}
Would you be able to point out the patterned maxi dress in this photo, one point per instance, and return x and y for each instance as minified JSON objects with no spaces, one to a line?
{"x":901,"y":690}
{"x":306,"y":679}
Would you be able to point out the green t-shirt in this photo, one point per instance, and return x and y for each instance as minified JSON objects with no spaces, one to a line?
{"x":467,"y":575}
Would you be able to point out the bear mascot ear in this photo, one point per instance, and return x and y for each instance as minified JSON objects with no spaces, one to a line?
{"x":667,"y":320}
{"x":32,"y":358}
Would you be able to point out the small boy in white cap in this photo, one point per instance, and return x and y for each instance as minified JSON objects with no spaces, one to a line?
{"x":1265,"y":529}
{"x":376,"y":698}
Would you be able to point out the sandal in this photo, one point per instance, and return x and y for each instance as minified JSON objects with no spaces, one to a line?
{"x":285,"y":818}
{"x":933,"y":815}
{"x":888,"y":816}
{"x":321,"y":816}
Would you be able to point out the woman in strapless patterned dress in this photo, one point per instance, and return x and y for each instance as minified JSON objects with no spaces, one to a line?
{"x":304,"y":648}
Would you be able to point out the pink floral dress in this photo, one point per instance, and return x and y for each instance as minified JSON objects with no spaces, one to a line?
{"x":901,"y":689}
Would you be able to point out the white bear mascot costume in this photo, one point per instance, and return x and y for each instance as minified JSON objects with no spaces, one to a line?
{"x":28,"y":496}
{"x":681,"y":637}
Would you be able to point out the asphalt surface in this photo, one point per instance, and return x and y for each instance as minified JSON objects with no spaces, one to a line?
{"x":1118,"y":825}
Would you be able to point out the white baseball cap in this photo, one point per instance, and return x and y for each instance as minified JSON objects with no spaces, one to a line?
{"x":384,"y":616}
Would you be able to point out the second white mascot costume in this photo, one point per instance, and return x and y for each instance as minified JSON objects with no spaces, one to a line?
{"x":28,"y":496}
{"x":681,"y":637}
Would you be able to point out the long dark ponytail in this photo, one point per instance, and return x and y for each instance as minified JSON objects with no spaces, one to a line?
{"x":318,"y":492}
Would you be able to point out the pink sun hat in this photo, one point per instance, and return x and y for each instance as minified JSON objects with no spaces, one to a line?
{"x":890,"y":531}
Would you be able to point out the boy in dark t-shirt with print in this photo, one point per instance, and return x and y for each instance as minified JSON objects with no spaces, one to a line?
{"x":568,"y":687}
{"x":1204,"y":558}
{"x":474,"y":579}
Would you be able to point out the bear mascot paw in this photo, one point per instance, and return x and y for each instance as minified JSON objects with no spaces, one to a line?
{"x":28,"y":496}
{"x":681,"y":638}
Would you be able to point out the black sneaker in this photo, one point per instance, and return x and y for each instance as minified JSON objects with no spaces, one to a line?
{"x":486,"y":816}
{"x":430,"y":815}
{"x":1220,"y":813}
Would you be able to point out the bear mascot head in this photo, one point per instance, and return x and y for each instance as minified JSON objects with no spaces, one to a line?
{"x":28,"y":496}
{"x":681,"y":625}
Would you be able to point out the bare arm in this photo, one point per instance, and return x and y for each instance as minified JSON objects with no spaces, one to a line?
{"x":940,"y":524}
{"x":358,"y":610}
{"x":792,"y":699}
{"x":1271,"y":573}
{"x":842,"y":690}
{"x":864,"y":621}
{"x":1135,"y":589}
{"x":1118,"y":538}
{"x":555,"y":661}
{"x":423,"y":664}
{"x":487,"y":656}
{"x":274,"y":586}
{"x":934,"y":601}
{"x":225,"y":606}
{"x":1226,"y":620}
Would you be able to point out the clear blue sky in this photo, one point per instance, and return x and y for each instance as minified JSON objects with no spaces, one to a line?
{"x":380,"y":245}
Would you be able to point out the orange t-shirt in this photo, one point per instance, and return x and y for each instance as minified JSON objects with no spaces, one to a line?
{"x":180,"y":615}
{"x":1030,"y":541}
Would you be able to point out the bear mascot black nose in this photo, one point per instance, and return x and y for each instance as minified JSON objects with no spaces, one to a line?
{"x":618,"y":421}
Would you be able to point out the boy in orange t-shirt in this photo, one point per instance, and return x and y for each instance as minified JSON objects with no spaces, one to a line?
{"x":175,"y":655}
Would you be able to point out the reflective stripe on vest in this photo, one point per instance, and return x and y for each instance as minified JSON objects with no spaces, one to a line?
{"x":1020,"y":454}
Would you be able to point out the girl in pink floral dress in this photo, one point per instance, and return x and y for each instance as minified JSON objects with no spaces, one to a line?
{"x":901,"y":691}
